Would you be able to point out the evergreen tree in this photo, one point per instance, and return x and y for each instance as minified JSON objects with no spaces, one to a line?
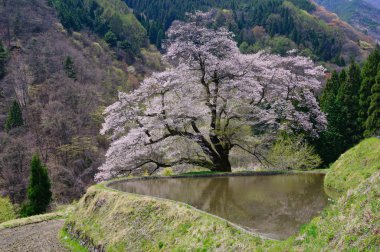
{"x":110,"y":38}
{"x":330,"y":144}
{"x":69,"y":68}
{"x":14,"y":118}
{"x":368,"y":74}
{"x":373,"y":121}
{"x":3,"y":59}
{"x":39,"y":193}
{"x":350,"y":117}
{"x":343,"y":76}
{"x":348,"y":105}
{"x":330,"y":92}
{"x":160,"y":37}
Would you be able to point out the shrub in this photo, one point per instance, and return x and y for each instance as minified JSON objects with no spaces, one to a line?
{"x":293,"y":152}
{"x":7,"y":211}
{"x":167,"y":172}
{"x":14,"y":118}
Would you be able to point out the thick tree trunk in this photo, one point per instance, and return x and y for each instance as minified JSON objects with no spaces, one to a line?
{"x":222,"y":165}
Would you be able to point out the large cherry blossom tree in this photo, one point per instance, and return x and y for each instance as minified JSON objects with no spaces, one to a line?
{"x":211,"y":100}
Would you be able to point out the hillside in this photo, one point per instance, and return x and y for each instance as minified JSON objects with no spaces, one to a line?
{"x":62,"y":78}
{"x":111,"y":20}
{"x":355,"y":43}
{"x":288,"y":24}
{"x":356,"y":165}
{"x":359,"y":13}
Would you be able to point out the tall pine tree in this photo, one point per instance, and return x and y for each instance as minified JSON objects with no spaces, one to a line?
{"x":14,"y":118}
{"x":330,"y":144}
{"x":351,"y":101}
{"x":69,"y":68}
{"x":343,"y":76}
{"x":3,"y":59}
{"x":368,"y":74}
{"x":348,"y":104}
{"x":39,"y":193}
{"x":373,"y":121}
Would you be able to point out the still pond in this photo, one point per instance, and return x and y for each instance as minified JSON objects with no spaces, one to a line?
{"x":274,"y":206}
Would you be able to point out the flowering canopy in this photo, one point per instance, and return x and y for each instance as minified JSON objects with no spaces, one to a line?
{"x":212,"y":100}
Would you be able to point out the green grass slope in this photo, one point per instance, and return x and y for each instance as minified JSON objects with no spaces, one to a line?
{"x":350,"y":224}
{"x":117,"y":221}
{"x":354,"y":166}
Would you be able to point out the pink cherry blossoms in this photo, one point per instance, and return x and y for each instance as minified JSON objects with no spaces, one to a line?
{"x":211,"y":100}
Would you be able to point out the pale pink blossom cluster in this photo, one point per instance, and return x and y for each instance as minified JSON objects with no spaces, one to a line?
{"x":210,"y":101}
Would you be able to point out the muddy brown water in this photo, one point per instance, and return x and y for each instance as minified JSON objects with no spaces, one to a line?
{"x":274,"y":206}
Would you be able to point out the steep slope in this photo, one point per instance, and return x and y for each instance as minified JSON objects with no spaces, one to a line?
{"x":285,"y":22}
{"x":355,"y":43}
{"x":354,"y":166}
{"x":110,"y":19}
{"x":359,"y":13}
{"x":62,"y":79}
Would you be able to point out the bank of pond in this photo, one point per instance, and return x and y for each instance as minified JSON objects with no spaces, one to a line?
{"x":274,"y":206}
{"x":242,"y":212}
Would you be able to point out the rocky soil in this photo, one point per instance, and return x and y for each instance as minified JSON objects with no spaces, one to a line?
{"x":38,"y":237}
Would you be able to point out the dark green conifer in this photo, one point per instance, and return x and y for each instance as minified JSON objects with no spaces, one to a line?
{"x":110,"y":38}
{"x":39,"y":193}
{"x":160,"y":37}
{"x":342,"y":76}
{"x":14,"y":118}
{"x":3,"y":59}
{"x":369,"y":72}
{"x":373,"y":121}
{"x":70,"y":68}
{"x":330,"y":144}
{"x":330,"y":92}
{"x":348,"y":104}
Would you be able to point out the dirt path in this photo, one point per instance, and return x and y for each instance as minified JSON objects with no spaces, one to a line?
{"x":39,"y":237}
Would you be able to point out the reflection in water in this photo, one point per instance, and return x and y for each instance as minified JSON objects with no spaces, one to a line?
{"x":275,"y":206}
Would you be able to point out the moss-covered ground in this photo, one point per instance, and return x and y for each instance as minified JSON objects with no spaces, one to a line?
{"x":116,"y":221}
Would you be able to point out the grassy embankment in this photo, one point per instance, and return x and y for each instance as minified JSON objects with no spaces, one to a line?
{"x":59,"y":214}
{"x":354,"y":166}
{"x":118,"y":221}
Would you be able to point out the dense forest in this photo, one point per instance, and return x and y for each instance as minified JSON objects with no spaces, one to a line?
{"x":351,"y":101}
{"x":111,"y":20}
{"x":288,"y":23}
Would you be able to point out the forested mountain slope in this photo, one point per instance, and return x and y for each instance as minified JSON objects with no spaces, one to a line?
{"x":281,"y":25}
{"x":109,"y":19}
{"x":55,"y":82}
{"x":360,"y":13}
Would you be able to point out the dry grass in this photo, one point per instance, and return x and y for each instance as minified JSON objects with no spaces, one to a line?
{"x":61,"y":214}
